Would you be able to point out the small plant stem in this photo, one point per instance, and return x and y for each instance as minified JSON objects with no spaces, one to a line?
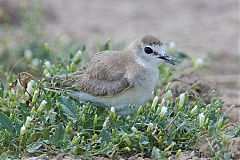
{"x":210,"y":146}
{"x":169,"y":125}
{"x":29,"y":76}
{"x":16,"y":64}
{"x":228,"y":109}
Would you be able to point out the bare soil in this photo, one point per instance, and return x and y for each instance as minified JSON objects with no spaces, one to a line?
{"x":197,"y":27}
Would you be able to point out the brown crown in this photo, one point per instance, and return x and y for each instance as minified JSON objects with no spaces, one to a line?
{"x":151,"y":40}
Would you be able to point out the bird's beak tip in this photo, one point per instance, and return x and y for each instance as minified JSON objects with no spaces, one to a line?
{"x":166,"y":57}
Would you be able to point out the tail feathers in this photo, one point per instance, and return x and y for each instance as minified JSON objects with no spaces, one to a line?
{"x":57,"y":84}
{"x":63,"y":82}
{"x":54,"y":82}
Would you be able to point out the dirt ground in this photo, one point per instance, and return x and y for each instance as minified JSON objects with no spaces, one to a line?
{"x":197,"y":27}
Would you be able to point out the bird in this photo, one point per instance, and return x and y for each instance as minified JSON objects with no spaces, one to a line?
{"x":119,"y":78}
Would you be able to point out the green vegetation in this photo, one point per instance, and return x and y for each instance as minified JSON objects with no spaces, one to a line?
{"x":35,"y":121}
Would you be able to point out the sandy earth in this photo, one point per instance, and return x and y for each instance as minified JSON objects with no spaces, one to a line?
{"x":196,"y":26}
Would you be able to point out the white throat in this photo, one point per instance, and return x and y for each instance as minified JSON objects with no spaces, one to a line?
{"x":140,"y":61}
{"x":146,"y":63}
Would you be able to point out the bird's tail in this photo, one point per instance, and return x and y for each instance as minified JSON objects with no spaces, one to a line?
{"x":61,"y":82}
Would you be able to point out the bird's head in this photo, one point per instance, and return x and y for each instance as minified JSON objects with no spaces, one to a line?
{"x":150,"y":49}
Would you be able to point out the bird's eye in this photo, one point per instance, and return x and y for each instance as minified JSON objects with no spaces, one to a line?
{"x":148,"y":50}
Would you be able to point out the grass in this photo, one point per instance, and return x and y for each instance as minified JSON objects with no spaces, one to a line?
{"x":35,"y":121}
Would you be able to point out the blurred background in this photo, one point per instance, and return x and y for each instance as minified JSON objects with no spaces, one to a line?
{"x":204,"y":30}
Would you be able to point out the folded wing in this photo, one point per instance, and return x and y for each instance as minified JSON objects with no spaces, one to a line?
{"x":104,"y":76}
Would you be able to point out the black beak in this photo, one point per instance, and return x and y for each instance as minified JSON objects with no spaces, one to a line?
{"x":168,"y":58}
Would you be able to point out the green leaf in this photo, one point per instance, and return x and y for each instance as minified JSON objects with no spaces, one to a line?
{"x":35,"y":136}
{"x":227,"y":156}
{"x":68,"y":107}
{"x":105,"y":46}
{"x":155,"y":153}
{"x":5,"y":155}
{"x":3,"y":102}
{"x":105,"y":137}
{"x":125,"y":127}
{"x":59,"y":133}
{"x":182,"y":55}
{"x":1,"y":89}
{"x":144,"y":140}
{"x":5,"y":123}
{"x":34,"y":147}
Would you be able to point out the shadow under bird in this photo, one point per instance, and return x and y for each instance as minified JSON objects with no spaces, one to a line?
{"x":118,"y":78}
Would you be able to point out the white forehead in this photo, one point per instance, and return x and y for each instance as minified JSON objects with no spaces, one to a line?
{"x":155,"y":47}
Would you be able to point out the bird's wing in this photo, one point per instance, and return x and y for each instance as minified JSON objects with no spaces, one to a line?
{"x":104,"y":76}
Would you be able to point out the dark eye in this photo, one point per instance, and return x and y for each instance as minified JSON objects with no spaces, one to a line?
{"x":148,"y":50}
